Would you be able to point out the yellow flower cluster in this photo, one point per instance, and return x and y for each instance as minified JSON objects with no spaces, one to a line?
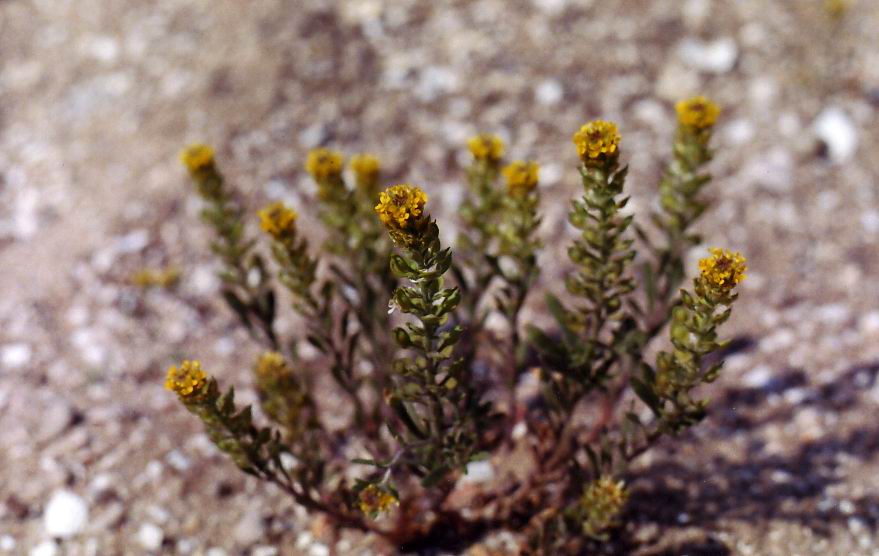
{"x":186,"y":381}
{"x":156,"y":277}
{"x":723,"y":270}
{"x":272,"y":364}
{"x":197,"y":157}
{"x":486,"y":147}
{"x":324,"y":164}
{"x":605,"y":498}
{"x":521,"y":177}
{"x":374,"y":500}
{"x":278,"y":220}
{"x":400,"y":206}
{"x":597,"y":138}
{"x":697,"y":112}
{"x":366,"y":168}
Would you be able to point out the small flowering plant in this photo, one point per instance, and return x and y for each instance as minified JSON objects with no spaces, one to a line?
{"x":398,"y":319}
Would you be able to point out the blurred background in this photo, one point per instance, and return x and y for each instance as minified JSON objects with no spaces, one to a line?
{"x":97,"y":97}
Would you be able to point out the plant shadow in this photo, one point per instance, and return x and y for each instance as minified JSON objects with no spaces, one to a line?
{"x":758,"y":483}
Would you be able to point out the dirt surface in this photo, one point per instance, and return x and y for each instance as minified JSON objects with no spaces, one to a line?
{"x":98,"y":96}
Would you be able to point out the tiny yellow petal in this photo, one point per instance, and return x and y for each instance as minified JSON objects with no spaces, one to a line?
{"x":324,"y":164}
{"x":400,"y":206}
{"x":486,"y":147}
{"x":597,"y":138}
{"x":697,"y":112}
{"x":724,"y":269}
{"x":278,"y":220}
{"x":521,"y":177}
{"x":186,"y":381}
{"x":197,"y":157}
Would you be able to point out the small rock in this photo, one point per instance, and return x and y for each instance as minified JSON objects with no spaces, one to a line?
{"x":264,"y":551}
{"x":772,"y":170}
{"x":549,"y":92}
{"x":318,"y":550}
{"x":45,"y":548}
{"x":250,"y":528}
{"x":177,"y":460}
{"x":758,"y":378}
{"x":479,"y":472}
{"x":16,"y":355}
{"x":216,"y":552}
{"x":7,"y":543}
{"x":54,"y":420}
{"x":66,"y":514}
{"x":718,"y":56}
{"x":150,"y":536}
{"x":836,"y":130}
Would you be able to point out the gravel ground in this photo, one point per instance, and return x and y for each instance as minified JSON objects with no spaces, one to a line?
{"x":98,"y":96}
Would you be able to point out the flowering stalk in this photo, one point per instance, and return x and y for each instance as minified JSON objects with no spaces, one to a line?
{"x":432,"y":397}
{"x":518,"y":247}
{"x":245,"y":284}
{"x":694,"y":336}
{"x":298,"y":273}
{"x":257,"y":451}
{"x":358,"y":239}
{"x":479,"y":213}
{"x":599,"y":329}
{"x":680,"y":197}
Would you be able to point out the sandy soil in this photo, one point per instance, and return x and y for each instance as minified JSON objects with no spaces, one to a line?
{"x":98,"y":96}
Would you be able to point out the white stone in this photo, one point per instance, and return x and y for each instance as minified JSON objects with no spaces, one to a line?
{"x":216,"y":552}
{"x":7,"y":543}
{"x":250,"y":528}
{"x":739,"y":132}
{"x":549,"y":92}
{"x":66,"y":514}
{"x":759,"y":377}
{"x":16,"y":355}
{"x":479,"y":472}
{"x":870,"y":221}
{"x":264,"y":551}
{"x":319,"y":549}
{"x":550,"y":6}
{"x":133,"y":242}
{"x":177,"y":460}
{"x":150,"y":536}
{"x":836,"y":129}
{"x":45,"y":548}
{"x":718,"y":56}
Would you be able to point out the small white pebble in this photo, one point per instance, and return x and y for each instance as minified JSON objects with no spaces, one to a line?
{"x":264,"y":551}
{"x":319,"y":550}
{"x":45,"y":548}
{"x":838,"y":132}
{"x":66,"y":514}
{"x":216,"y":552}
{"x":7,"y":543}
{"x":16,"y":355}
{"x":150,"y":536}
{"x":549,"y":92}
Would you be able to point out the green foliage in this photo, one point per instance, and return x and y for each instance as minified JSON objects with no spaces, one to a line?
{"x":429,"y":388}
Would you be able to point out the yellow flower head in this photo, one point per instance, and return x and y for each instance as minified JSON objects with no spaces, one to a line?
{"x":603,"y":501}
{"x":697,"y":112}
{"x":271,"y":365}
{"x":401,"y":206}
{"x":521,"y":177}
{"x":374,"y":500}
{"x":324,"y":164}
{"x":197,"y":157}
{"x":596,"y":139}
{"x":187,"y":381}
{"x":723,"y":270}
{"x":366,"y":169}
{"x":278,"y":220}
{"x":486,"y":147}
